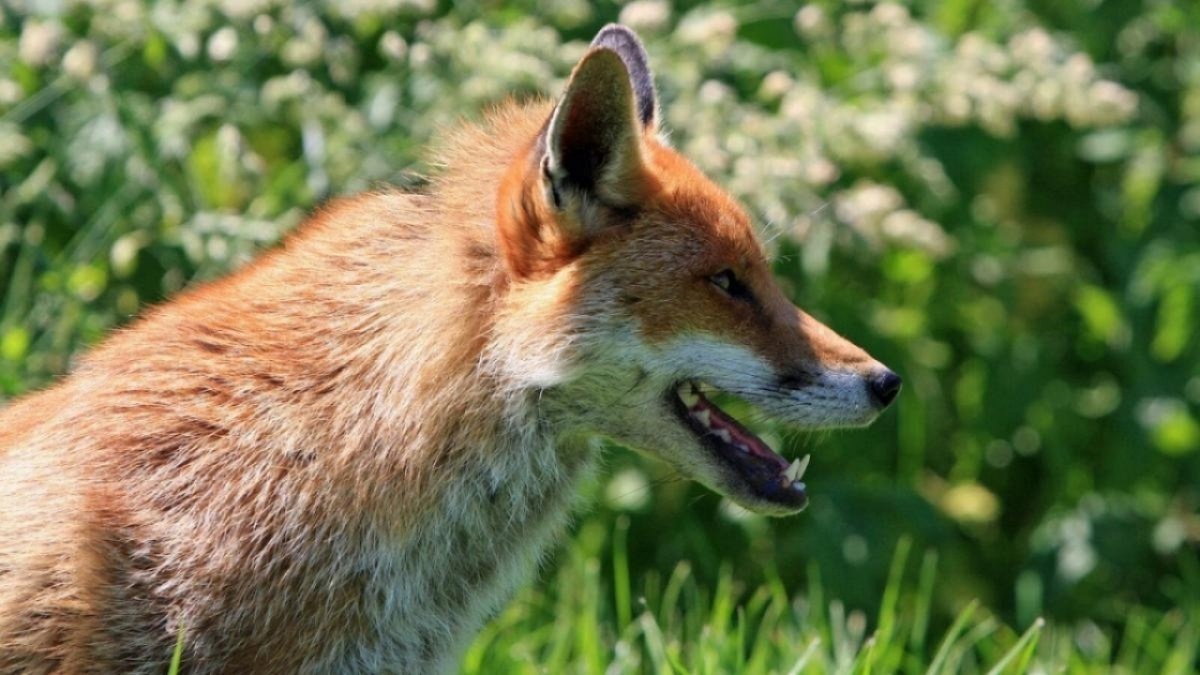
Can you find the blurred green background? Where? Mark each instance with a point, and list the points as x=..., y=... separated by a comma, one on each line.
x=1000, y=200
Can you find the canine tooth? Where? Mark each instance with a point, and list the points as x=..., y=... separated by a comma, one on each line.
x=724, y=435
x=793, y=470
x=703, y=417
x=687, y=394
x=803, y=467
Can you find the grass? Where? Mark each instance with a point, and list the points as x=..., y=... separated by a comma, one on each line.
x=177, y=655
x=584, y=620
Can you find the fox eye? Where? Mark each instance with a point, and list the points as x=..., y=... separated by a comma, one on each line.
x=728, y=282
x=723, y=280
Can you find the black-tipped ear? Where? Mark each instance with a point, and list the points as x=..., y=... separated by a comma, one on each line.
x=593, y=144
x=627, y=46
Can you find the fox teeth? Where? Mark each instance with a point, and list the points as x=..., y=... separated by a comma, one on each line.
x=703, y=417
x=687, y=394
x=792, y=470
x=724, y=435
x=796, y=469
x=803, y=467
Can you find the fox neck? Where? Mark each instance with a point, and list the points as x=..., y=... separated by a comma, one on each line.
x=455, y=407
x=499, y=493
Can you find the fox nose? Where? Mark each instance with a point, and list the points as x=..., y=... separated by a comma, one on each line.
x=883, y=387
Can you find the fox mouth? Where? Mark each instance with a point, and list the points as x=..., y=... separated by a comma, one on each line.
x=765, y=475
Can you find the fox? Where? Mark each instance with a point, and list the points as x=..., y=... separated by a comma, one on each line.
x=348, y=454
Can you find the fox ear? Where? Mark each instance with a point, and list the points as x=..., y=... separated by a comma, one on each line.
x=593, y=140
x=587, y=170
x=627, y=45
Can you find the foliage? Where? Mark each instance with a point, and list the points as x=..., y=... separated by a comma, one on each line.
x=999, y=200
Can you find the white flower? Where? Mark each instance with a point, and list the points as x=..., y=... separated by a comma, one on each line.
x=188, y=45
x=241, y=9
x=10, y=92
x=393, y=46
x=1034, y=48
x=811, y=22
x=882, y=130
x=1079, y=68
x=910, y=41
x=714, y=32
x=646, y=15
x=775, y=85
x=820, y=171
x=890, y=14
x=80, y=60
x=308, y=46
x=263, y=23
x=1046, y=100
x=866, y=203
x=713, y=92
x=908, y=227
x=39, y=42
x=222, y=44
x=903, y=76
x=1111, y=103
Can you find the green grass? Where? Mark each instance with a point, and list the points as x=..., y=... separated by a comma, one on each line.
x=585, y=619
x=177, y=655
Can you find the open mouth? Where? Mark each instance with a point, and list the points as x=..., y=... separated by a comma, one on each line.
x=767, y=476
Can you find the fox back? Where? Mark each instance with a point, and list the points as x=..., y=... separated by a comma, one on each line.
x=347, y=455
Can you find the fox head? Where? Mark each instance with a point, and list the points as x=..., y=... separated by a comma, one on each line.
x=660, y=286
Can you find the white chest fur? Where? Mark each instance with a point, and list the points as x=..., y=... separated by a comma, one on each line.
x=428, y=594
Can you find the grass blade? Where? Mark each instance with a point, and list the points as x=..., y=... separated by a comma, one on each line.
x=956, y=629
x=809, y=651
x=1024, y=648
x=621, y=572
x=177, y=655
x=920, y=626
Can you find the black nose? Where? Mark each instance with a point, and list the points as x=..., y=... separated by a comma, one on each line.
x=884, y=387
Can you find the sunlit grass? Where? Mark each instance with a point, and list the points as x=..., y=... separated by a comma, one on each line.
x=581, y=620
x=177, y=655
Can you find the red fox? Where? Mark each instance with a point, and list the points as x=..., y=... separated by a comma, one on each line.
x=345, y=456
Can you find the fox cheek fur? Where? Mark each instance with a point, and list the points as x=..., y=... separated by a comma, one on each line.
x=345, y=456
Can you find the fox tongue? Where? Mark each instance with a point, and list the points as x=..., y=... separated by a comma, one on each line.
x=730, y=431
x=742, y=439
